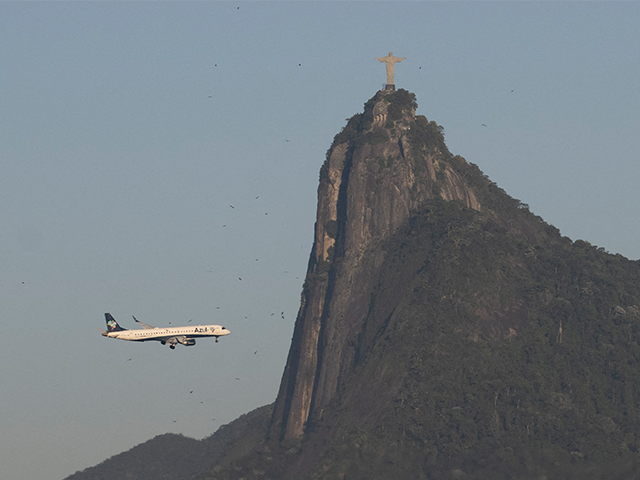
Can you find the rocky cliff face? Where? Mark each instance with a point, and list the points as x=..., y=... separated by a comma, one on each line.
x=445, y=331
x=383, y=165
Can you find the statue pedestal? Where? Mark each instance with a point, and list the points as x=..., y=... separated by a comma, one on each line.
x=390, y=86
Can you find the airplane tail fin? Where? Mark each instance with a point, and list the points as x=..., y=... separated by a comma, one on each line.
x=112, y=325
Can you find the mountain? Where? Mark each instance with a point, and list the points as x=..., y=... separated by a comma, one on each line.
x=175, y=457
x=445, y=331
x=369, y=186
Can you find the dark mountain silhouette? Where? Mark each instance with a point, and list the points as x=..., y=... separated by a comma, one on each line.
x=445, y=331
x=175, y=457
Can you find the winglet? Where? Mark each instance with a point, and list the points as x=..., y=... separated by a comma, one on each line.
x=144, y=325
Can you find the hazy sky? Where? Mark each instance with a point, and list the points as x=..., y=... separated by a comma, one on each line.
x=129, y=130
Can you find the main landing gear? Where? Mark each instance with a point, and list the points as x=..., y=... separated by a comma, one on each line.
x=172, y=347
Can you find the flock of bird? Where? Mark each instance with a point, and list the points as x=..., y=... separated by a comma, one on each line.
x=282, y=315
x=240, y=278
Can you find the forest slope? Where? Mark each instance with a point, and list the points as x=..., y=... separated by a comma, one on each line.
x=175, y=457
x=445, y=330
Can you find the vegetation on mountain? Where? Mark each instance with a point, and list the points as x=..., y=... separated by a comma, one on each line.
x=476, y=342
x=357, y=131
x=176, y=457
x=493, y=346
x=517, y=359
x=168, y=456
x=401, y=102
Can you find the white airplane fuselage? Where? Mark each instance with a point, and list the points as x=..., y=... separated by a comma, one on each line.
x=141, y=335
x=172, y=336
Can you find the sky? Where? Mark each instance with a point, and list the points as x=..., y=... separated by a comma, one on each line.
x=161, y=159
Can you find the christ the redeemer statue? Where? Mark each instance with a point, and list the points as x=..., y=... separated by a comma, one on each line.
x=390, y=60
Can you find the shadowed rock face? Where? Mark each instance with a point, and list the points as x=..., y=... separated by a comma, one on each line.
x=379, y=170
x=437, y=342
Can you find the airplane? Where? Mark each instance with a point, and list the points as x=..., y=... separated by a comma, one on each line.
x=172, y=336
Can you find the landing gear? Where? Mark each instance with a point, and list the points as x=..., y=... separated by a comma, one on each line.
x=172, y=347
x=216, y=339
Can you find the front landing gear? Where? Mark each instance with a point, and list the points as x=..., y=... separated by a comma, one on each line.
x=172, y=347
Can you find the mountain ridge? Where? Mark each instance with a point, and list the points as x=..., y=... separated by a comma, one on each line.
x=442, y=320
x=445, y=331
x=176, y=457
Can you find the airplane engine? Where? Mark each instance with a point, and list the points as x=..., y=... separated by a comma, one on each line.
x=186, y=341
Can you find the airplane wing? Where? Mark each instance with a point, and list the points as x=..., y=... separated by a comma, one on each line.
x=144, y=325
